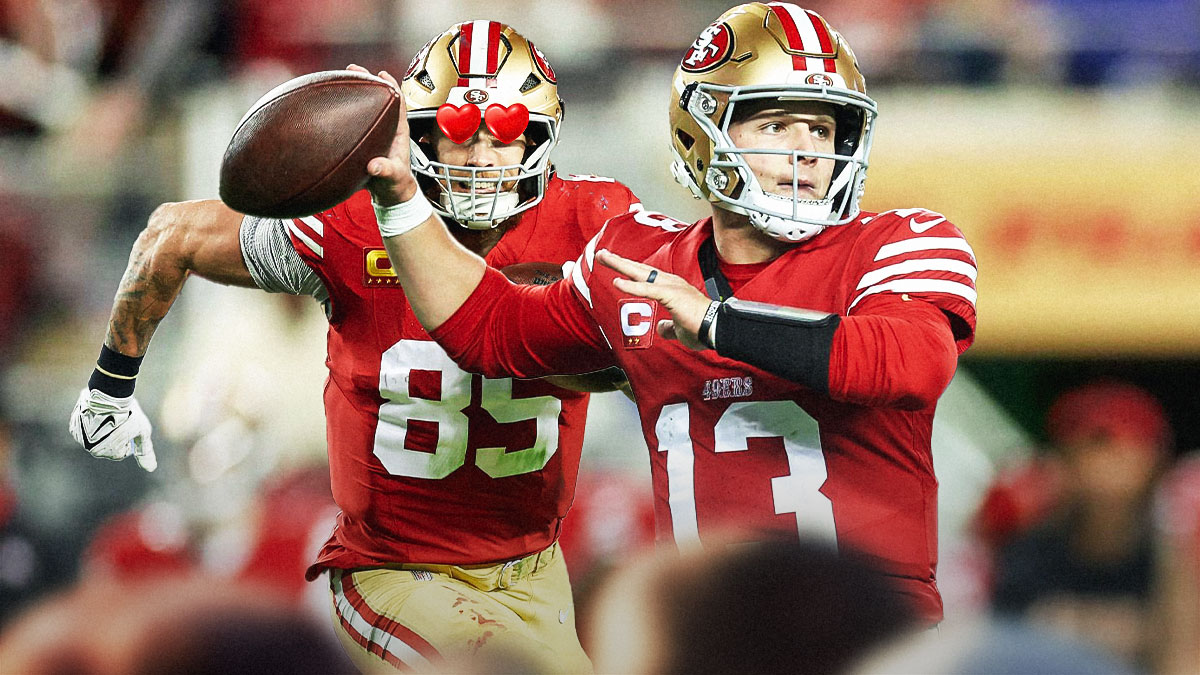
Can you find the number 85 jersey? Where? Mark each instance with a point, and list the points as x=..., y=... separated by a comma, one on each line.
x=431, y=464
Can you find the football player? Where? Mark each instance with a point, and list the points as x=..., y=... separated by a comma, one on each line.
x=786, y=353
x=452, y=487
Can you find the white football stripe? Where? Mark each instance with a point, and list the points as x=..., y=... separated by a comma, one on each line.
x=315, y=223
x=920, y=286
x=391, y=643
x=924, y=244
x=305, y=239
x=919, y=265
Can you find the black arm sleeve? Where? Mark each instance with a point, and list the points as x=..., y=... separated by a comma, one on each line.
x=788, y=342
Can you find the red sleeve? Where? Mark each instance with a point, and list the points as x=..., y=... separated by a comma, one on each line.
x=506, y=330
x=919, y=254
x=892, y=352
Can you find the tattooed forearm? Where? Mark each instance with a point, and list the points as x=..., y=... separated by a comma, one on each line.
x=152, y=281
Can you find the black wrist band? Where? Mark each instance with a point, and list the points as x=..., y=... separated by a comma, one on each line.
x=710, y=315
x=115, y=373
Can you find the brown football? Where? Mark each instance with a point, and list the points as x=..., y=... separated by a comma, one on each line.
x=304, y=146
x=533, y=273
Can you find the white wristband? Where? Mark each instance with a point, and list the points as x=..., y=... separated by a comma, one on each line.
x=400, y=218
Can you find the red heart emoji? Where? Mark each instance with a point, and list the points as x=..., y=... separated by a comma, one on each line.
x=506, y=124
x=458, y=123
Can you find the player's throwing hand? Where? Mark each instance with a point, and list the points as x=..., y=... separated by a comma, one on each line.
x=392, y=181
x=686, y=304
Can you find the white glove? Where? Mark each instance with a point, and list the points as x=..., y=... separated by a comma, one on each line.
x=112, y=428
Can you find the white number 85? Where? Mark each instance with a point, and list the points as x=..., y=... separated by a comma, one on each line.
x=407, y=355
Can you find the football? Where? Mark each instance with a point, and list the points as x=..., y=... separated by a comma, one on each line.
x=304, y=146
x=533, y=273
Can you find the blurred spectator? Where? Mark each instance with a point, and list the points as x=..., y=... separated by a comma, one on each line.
x=990, y=648
x=169, y=626
x=23, y=554
x=1177, y=511
x=18, y=262
x=774, y=607
x=270, y=543
x=1088, y=570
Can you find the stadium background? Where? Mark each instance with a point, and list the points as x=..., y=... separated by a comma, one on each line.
x=1059, y=135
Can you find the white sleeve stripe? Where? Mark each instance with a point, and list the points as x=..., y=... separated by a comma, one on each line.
x=919, y=265
x=589, y=253
x=316, y=225
x=580, y=284
x=920, y=286
x=924, y=244
x=305, y=239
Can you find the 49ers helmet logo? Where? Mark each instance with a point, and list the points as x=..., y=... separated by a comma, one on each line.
x=710, y=50
x=820, y=79
x=542, y=64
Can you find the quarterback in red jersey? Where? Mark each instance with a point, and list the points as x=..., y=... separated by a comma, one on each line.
x=787, y=353
x=452, y=486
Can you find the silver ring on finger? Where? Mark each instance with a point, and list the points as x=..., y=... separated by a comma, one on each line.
x=653, y=275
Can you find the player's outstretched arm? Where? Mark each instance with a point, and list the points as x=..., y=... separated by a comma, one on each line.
x=902, y=356
x=436, y=272
x=199, y=237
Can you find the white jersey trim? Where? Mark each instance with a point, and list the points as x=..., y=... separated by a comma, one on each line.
x=924, y=244
x=920, y=286
x=919, y=265
x=305, y=239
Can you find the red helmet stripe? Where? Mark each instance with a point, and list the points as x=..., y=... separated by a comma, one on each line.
x=825, y=39
x=793, y=35
x=464, y=51
x=493, y=51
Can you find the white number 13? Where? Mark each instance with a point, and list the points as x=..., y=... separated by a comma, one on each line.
x=798, y=492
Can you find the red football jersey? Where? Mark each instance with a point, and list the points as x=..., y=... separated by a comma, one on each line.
x=429, y=463
x=735, y=448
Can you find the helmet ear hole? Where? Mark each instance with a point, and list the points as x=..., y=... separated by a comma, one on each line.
x=849, y=130
x=530, y=82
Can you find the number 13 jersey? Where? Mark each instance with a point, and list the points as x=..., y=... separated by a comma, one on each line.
x=736, y=451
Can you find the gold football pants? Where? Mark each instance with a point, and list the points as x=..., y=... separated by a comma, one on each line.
x=514, y=616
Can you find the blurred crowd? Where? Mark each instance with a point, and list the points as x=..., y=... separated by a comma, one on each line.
x=1096, y=535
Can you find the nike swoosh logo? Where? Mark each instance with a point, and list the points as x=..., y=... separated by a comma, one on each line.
x=923, y=225
x=89, y=443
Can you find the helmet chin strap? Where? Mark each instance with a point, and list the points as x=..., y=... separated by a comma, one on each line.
x=472, y=213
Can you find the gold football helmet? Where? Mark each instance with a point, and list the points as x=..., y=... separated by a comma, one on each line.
x=482, y=63
x=775, y=51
